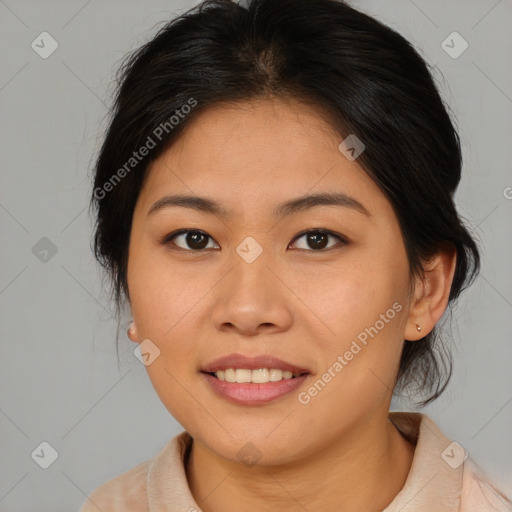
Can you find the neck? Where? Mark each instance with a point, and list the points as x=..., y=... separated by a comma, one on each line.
x=364, y=470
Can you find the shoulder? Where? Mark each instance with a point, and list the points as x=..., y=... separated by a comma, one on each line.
x=148, y=485
x=126, y=492
x=453, y=480
x=478, y=493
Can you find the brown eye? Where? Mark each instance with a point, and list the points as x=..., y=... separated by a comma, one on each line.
x=318, y=239
x=193, y=239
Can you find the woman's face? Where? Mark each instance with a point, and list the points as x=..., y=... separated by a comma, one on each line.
x=251, y=283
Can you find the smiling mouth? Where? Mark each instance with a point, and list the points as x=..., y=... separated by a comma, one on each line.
x=258, y=376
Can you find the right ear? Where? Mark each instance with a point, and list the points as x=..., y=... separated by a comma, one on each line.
x=132, y=332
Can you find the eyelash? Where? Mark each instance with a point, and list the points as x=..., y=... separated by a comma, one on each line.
x=168, y=238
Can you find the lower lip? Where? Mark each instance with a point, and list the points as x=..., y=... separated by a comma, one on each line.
x=248, y=393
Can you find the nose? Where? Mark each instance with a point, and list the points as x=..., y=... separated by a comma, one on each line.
x=253, y=297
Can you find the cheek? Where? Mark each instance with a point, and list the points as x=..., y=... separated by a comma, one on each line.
x=166, y=308
x=348, y=298
x=174, y=390
x=160, y=295
x=364, y=306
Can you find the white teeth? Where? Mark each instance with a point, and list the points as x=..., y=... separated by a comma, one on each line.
x=243, y=375
x=275, y=375
x=229, y=375
x=259, y=376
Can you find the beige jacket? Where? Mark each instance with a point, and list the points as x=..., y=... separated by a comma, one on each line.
x=442, y=478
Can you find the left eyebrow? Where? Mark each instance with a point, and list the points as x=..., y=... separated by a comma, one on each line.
x=212, y=207
x=320, y=199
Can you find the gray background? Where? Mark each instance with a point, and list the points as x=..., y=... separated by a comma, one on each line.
x=59, y=376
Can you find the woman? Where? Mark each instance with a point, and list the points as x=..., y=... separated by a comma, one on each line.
x=274, y=198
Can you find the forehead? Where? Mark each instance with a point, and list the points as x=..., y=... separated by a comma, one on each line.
x=251, y=153
x=265, y=124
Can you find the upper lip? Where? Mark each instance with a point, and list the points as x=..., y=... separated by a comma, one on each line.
x=252, y=363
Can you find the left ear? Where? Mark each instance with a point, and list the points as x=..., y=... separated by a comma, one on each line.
x=431, y=293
